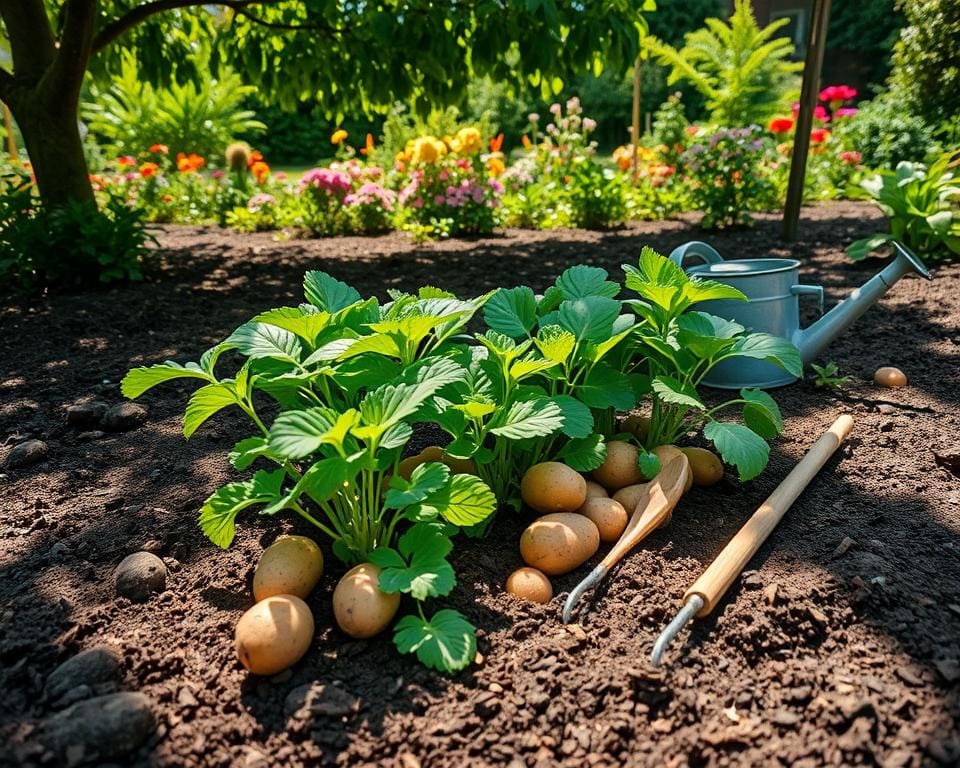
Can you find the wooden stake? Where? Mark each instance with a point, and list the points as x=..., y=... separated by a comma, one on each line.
x=816, y=41
x=635, y=130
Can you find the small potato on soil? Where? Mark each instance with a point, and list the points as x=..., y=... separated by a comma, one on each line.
x=629, y=497
x=890, y=377
x=530, y=584
x=274, y=634
x=608, y=515
x=553, y=487
x=360, y=608
x=595, y=490
x=620, y=468
x=292, y=565
x=558, y=543
x=705, y=466
x=636, y=425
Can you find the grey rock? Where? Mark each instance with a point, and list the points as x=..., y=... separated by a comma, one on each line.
x=100, y=729
x=123, y=417
x=27, y=453
x=90, y=667
x=93, y=434
x=86, y=415
x=140, y=575
x=74, y=695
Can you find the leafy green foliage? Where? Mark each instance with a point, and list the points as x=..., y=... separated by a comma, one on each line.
x=71, y=245
x=445, y=642
x=681, y=345
x=922, y=205
x=743, y=71
x=826, y=376
x=201, y=115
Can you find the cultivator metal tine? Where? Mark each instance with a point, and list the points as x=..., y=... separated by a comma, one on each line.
x=593, y=578
x=690, y=609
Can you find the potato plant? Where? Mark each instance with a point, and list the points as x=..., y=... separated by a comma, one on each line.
x=680, y=347
x=347, y=378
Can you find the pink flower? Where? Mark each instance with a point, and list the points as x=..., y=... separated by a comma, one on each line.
x=837, y=94
x=820, y=113
x=555, y=109
x=216, y=175
x=851, y=158
x=326, y=179
x=372, y=194
x=845, y=111
x=418, y=203
x=589, y=124
x=533, y=117
x=258, y=201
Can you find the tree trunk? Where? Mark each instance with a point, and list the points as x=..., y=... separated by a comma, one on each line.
x=51, y=135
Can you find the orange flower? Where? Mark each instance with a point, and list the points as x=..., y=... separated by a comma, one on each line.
x=339, y=136
x=495, y=165
x=525, y=140
x=496, y=143
x=367, y=149
x=167, y=198
x=253, y=158
x=260, y=171
x=126, y=161
x=147, y=170
x=189, y=163
x=159, y=149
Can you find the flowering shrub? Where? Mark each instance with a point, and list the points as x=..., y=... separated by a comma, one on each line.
x=371, y=207
x=322, y=195
x=260, y=214
x=727, y=175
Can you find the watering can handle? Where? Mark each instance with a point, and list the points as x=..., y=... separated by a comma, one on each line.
x=809, y=290
x=695, y=248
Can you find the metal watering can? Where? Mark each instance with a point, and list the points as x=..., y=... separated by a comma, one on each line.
x=773, y=290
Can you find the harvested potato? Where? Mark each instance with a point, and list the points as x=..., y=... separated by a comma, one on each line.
x=430, y=453
x=636, y=425
x=608, y=515
x=274, y=634
x=595, y=490
x=360, y=608
x=292, y=565
x=620, y=468
x=530, y=584
x=553, y=487
x=667, y=452
x=891, y=377
x=559, y=542
x=705, y=466
x=629, y=497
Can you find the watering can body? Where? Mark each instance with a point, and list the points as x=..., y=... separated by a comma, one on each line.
x=773, y=290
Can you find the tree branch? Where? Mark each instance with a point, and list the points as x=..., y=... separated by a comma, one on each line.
x=63, y=79
x=141, y=13
x=30, y=36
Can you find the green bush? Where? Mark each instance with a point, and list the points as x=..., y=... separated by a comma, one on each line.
x=884, y=133
x=68, y=246
x=742, y=70
x=202, y=116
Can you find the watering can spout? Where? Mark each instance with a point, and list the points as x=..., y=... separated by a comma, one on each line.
x=812, y=340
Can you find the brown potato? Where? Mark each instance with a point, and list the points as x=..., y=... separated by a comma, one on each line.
x=620, y=468
x=608, y=515
x=530, y=584
x=292, y=565
x=560, y=542
x=629, y=497
x=460, y=466
x=360, y=608
x=705, y=466
x=667, y=452
x=430, y=453
x=891, y=377
x=637, y=425
x=274, y=634
x=595, y=490
x=553, y=487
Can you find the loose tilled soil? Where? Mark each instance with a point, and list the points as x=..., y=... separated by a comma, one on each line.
x=840, y=646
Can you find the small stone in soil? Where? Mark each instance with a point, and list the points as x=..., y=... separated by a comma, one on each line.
x=140, y=575
x=770, y=594
x=844, y=546
x=27, y=453
x=123, y=417
x=106, y=727
x=94, y=434
x=785, y=718
x=86, y=414
x=319, y=699
x=949, y=669
x=91, y=667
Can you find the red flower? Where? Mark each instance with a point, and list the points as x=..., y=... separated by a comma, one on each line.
x=126, y=160
x=837, y=93
x=851, y=158
x=148, y=170
x=781, y=125
x=819, y=135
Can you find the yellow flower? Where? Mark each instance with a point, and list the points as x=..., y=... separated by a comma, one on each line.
x=427, y=149
x=467, y=142
x=495, y=165
x=339, y=136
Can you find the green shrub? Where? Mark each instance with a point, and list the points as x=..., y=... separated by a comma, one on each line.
x=68, y=246
x=884, y=133
x=743, y=71
x=201, y=116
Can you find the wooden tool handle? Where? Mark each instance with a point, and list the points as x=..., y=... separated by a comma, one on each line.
x=715, y=581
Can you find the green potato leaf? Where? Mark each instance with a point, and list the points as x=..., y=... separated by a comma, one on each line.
x=425, y=572
x=739, y=446
x=765, y=346
x=590, y=318
x=511, y=311
x=581, y=280
x=463, y=501
x=445, y=642
x=139, y=380
x=555, y=343
x=584, y=454
x=530, y=418
x=606, y=387
x=577, y=418
x=672, y=391
x=257, y=340
x=761, y=413
x=219, y=512
x=424, y=480
x=328, y=293
x=205, y=402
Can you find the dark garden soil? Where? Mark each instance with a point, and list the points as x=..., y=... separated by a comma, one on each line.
x=839, y=647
